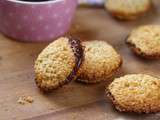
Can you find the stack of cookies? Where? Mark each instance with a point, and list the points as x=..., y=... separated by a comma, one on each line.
x=67, y=59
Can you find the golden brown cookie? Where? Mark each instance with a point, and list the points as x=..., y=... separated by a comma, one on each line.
x=145, y=41
x=58, y=63
x=101, y=61
x=138, y=93
x=128, y=9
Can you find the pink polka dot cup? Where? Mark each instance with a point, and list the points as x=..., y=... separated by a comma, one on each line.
x=36, y=21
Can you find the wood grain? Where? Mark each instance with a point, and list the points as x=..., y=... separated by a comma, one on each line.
x=74, y=101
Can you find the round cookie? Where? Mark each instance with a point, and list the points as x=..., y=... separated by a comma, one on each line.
x=58, y=63
x=145, y=41
x=128, y=9
x=138, y=93
x=100, y=62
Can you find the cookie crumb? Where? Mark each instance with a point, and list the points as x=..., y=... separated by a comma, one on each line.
x=74, y=116
x=25, y=99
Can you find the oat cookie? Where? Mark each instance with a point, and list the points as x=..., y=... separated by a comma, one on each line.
x=138, y=93
x=101, y=61
x=128, y=9
x=58, y=63
x=145, y=41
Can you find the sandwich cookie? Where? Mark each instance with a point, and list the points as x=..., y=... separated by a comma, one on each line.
x=145, y=41
x=58, y=63
x=138, y=93
x=101, y=61
x=128, y=9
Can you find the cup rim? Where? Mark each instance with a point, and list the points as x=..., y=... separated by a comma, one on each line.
x=36, y=3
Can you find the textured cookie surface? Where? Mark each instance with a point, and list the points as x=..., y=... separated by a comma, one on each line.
x=54, y=64
x=145, y=41
x=135, y=93
x=100, y=62
x=128, y=9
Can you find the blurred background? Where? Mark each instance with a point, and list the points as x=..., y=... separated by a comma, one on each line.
x=91, y=2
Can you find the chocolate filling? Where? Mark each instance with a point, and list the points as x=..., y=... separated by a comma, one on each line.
x=78, y=51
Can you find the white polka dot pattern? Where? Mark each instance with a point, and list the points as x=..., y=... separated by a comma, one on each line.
x=42, y=22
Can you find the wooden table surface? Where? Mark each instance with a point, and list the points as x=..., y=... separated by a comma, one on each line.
x=74, y=101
